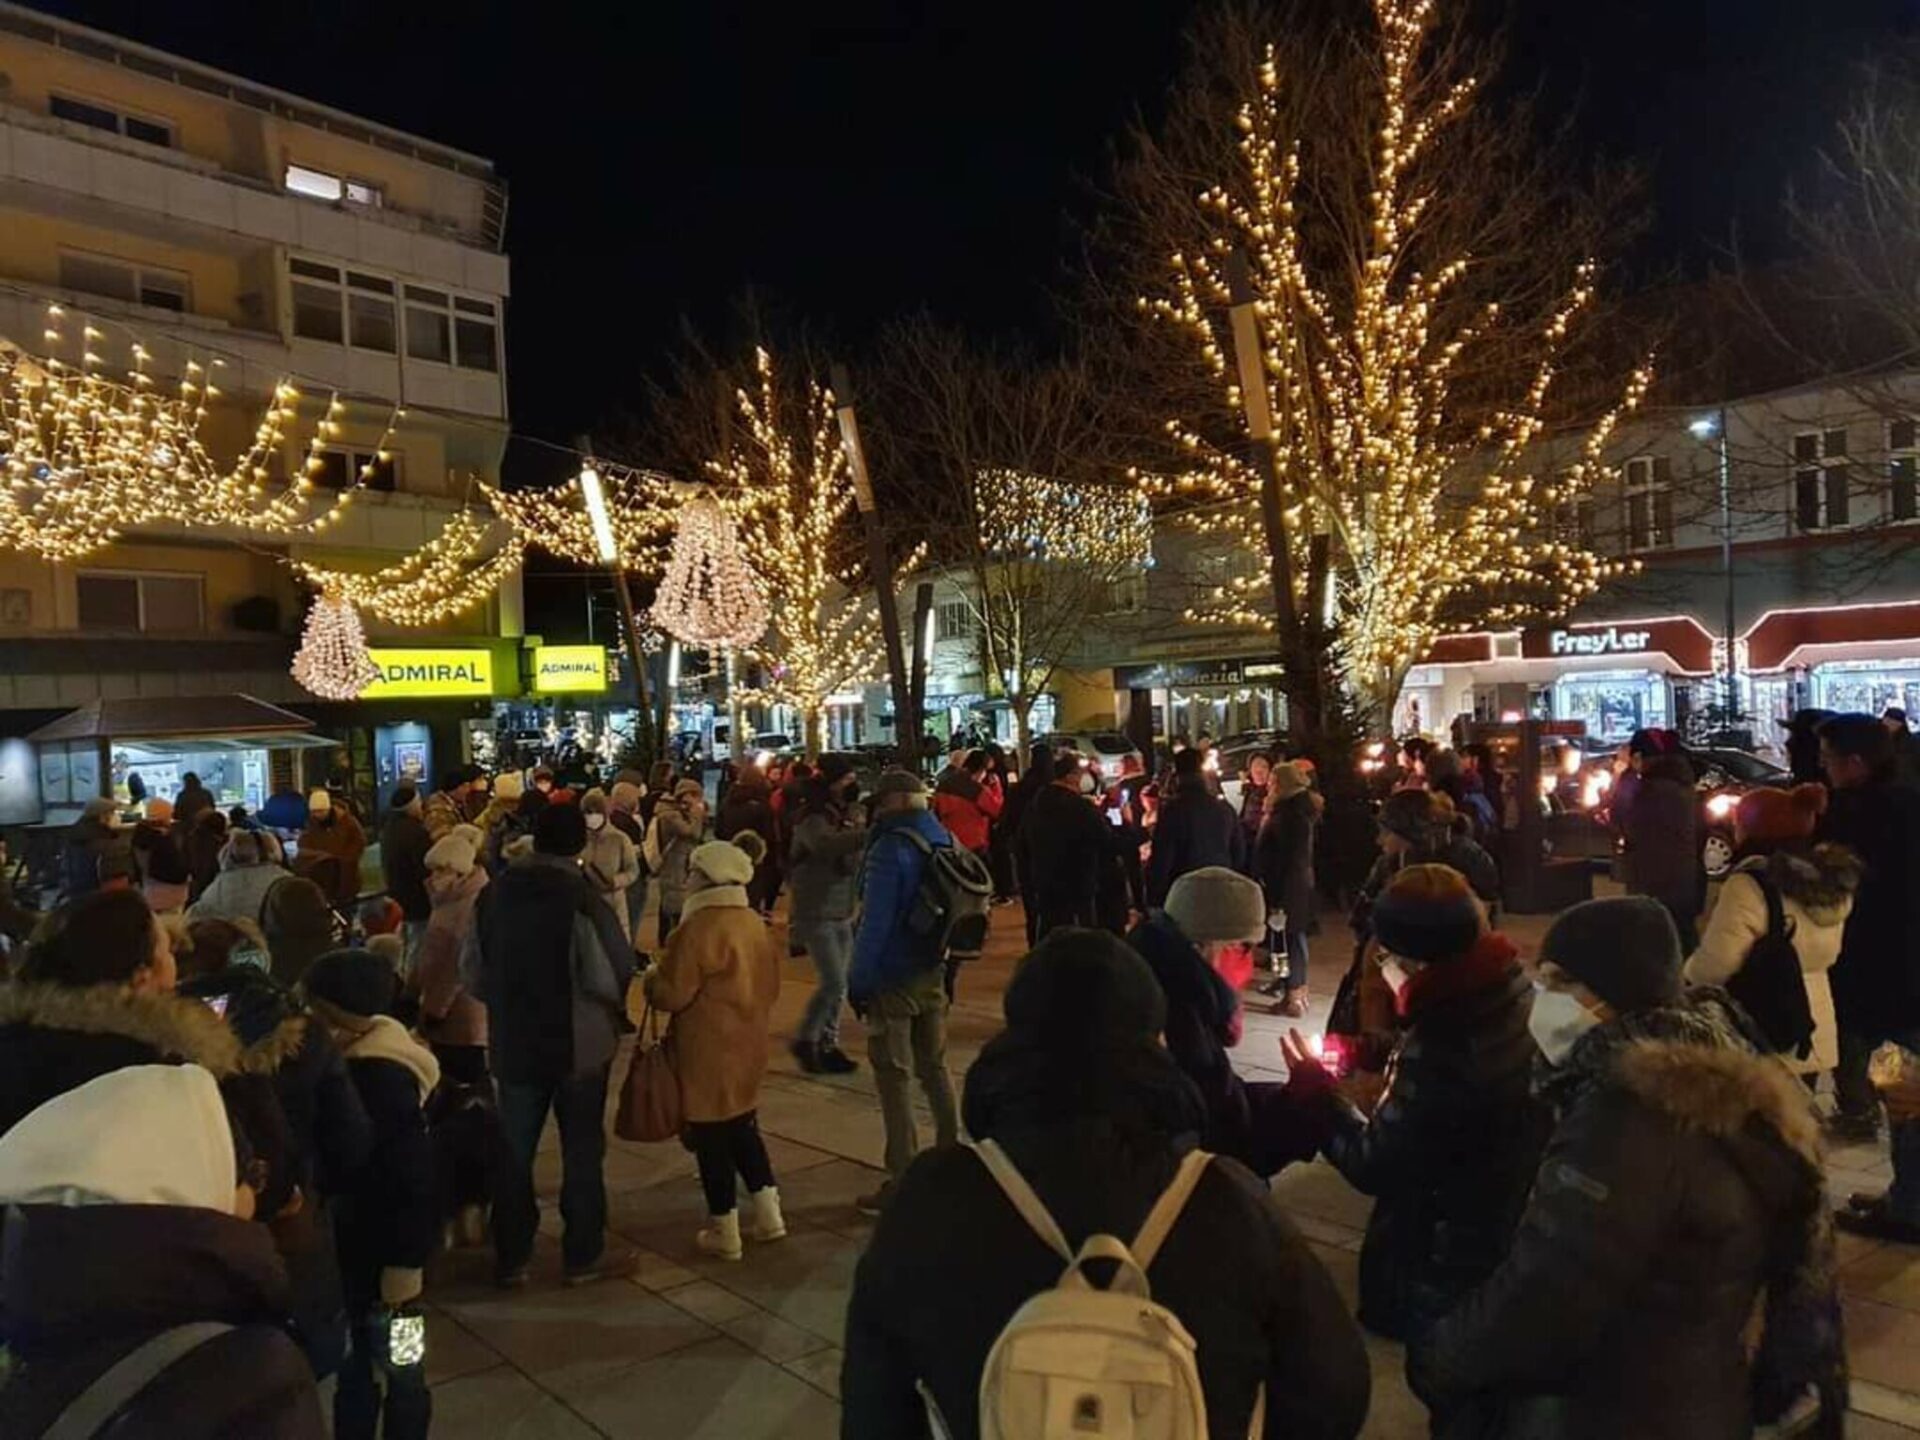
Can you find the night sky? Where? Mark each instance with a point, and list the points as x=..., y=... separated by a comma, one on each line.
x=850, y=162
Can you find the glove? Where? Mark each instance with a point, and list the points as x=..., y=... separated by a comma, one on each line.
x=400, y=1284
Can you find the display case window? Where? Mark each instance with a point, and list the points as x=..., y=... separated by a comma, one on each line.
x=1614, y=706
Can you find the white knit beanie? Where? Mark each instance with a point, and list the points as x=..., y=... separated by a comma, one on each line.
x=722, y=863
x=455, y=851
x=1216, y=905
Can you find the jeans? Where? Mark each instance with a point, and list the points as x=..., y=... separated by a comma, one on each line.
x=414, y=935
x=1296, y=959
x=725, y=1148
x=829, y=944
x=357, y=1403
x=908, y=1027
x=579, y=1104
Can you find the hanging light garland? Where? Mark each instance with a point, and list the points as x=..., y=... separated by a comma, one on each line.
x=708, y=598
x=640, y=508
x=332, y=661
x=444, y=578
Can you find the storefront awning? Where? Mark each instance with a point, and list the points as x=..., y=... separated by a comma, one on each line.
x=1784, y=638
x=246, y=722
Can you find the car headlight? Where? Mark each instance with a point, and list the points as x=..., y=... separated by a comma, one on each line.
x=1720, y=806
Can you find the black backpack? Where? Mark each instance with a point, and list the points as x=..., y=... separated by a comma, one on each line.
x=950, y=908
x=1769, y=986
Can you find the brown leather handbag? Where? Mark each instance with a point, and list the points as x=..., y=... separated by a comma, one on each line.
x=650, y=1107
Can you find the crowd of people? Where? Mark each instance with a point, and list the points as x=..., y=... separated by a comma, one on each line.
x=1591, y=1167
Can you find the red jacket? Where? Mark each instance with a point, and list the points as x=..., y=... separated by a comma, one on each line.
x=967, y=807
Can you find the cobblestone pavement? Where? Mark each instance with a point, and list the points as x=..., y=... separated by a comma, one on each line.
x=702, y=1348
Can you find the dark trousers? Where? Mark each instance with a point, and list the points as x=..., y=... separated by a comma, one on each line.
x=358, y=1406
x=1853, y=1093
x=1055, y=911
x=724, y=1149
x=579, y=1104
x=1296, y=943
x=1684, y=918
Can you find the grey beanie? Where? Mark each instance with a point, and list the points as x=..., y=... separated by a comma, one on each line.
x=1623, y=948
x=1216, y=905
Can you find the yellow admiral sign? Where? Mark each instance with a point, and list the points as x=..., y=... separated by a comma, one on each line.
x=423, y=673
x=569, y=669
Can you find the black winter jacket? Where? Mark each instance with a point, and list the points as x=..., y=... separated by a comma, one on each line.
x=389, y=1213
x=404, y=843
x=1663, y=844
x=1064, y=848
x=1678, y=1173
x=1451, y=1149
x=82, y=1287
x=1257, y=1123
x=1876, y=981
x=1196, y=828
x=951, y=1260
x=1283, y=857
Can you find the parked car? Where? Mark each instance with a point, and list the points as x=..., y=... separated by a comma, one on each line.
x=1725, y=774
x=1103, y=750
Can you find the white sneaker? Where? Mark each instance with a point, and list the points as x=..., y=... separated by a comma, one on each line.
x=721, y=1238
x=764, y=1220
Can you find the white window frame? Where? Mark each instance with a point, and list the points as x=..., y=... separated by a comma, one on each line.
x=953, y=620
x=1576, y=518
x=330, y=187
x=138, y=274
x=344, y=288
x=359, y=458
x=453, y=306
x=1126, y=594
x=1821, y=468
x=1649, y=478
x=1908, y=454
x=121, y=115
x=140, y=577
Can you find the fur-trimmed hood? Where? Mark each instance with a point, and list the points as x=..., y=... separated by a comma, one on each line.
x=1718, y=1091
x=1822, y=881
x=173, y=1026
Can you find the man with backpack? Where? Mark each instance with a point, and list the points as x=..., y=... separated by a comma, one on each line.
x=899, y=956
x=968, y=1302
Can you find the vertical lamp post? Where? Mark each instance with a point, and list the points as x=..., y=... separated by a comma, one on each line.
x=906, y=724
x=1714, y=427
x=595, y=498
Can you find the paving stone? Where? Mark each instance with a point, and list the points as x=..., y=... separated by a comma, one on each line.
x=452, y=1349
x=1883, y=1345
x=562, y=1337
x=503, y=1404
x=820, y=1369
x=718, y=1390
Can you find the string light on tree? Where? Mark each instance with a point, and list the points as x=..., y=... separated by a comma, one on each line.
x=332, y=661
x=708, y=597
x=1364, y=342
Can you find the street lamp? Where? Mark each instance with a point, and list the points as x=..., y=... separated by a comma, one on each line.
x=1714, y=427
x=593, y=495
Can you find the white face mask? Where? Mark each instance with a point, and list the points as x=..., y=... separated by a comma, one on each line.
x=1557, y=1023
x=594, y=822
x=1395, y=975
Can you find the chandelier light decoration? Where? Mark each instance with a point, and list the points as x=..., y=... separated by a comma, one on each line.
x=332, y=661
x=444, y=578
x=708, y=598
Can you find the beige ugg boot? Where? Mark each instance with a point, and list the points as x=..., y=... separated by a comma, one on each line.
x=721, y=1238
x=764, y=1220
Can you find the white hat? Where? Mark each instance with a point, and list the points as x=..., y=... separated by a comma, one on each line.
x=722, y=863
x=455, y=851
x=144, y=1135
x=319, y=802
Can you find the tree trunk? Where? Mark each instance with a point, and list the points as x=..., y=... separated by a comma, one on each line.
x=813, y=730
x=1022, y=728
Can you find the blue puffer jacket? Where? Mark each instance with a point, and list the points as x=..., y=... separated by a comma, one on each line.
x=885, y=957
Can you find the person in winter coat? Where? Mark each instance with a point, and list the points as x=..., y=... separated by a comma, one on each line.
x=967, y=801
x=1681, y=1190
x=1876, y=981
x=749, y=807
x=127, y=1219
x=387, y=1219
x=1663, y=843
x=552, y=966
x=239, y=891
x=445, y=807
x=898, y=982
x=1773, y=840
x=164, y=877
x=204, y=841
x=823, y=868
x=192, y=799
x=299, y=925
x=1064, y=848
x=718, y=980
x=332, y=845
x=1034, y=779
x=1200, y=950
x=507, y=818
x=679, y=824
x=94, y=837
x=1283, y=864
x=1196, y=829
x=453, y=1021
x=1081, y=1097
x=403, y=861
x=1254, y=785
x=611, y=862
x=624, y=804
x=1450, y=1150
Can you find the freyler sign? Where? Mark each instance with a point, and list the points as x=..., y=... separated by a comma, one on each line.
x=1612, y=640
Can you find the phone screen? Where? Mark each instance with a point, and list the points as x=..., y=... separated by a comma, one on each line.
x=217, y=1004
x=1115, y=818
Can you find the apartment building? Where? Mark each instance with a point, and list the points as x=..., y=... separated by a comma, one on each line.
x=212, y=220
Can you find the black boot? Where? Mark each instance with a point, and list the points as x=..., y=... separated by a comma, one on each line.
x=832, y=1060
x=807, y=1053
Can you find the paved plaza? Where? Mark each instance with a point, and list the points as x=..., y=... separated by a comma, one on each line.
x=750, y=1351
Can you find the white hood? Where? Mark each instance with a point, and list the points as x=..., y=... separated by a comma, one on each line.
x=146, y=1135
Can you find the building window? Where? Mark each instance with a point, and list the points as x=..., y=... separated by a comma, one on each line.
x=476, y=336
x=322, y=294
x=953, y=620
x=324, y=185
x=1649, y=487
x=159, y=603
x=340, y=468
x=101, y=117
x=1126, y=594
x=429, y=325
x=1820, y=482
x=1574, y=521
x=1903, y=470
x=123, y=280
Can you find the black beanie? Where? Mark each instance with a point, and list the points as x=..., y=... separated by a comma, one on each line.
x=1623, y=948
x=1425, y=928
x=1084, y=989
x=359, y=982
x=559, y=830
